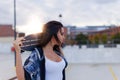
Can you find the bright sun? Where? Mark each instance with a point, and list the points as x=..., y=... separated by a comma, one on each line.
x=34, y=25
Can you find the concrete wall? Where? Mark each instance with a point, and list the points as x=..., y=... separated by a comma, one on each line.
x=6, y=44
x=6, y=39
x=74, y=54
x=5, y=48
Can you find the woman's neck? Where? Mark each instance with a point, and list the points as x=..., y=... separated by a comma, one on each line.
x=48, y=48
x=50, y=54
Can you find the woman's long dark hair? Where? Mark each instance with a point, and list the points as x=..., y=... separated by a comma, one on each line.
x=50, y=29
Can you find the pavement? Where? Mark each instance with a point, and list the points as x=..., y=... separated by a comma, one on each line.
x=93, y=72
x=74, y=71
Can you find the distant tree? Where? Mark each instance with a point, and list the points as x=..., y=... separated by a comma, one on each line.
x=81, y=39
x=103, y=38
x=69, y=40
x=96, y=39
x=116, y=38
x=91, y=39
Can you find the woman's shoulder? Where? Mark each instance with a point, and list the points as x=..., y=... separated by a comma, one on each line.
x=36, y=53
x=34, y=57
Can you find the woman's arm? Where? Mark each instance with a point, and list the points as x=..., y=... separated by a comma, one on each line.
x=19, y=68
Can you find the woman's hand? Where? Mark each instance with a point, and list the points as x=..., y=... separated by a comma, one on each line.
x=18, y=43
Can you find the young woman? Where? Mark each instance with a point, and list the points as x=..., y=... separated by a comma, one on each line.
x=46, y=61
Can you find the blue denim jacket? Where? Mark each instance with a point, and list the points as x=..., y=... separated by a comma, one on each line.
x=32, y=65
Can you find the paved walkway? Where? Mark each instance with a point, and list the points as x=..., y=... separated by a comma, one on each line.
x=93, y=72
x=75, y=71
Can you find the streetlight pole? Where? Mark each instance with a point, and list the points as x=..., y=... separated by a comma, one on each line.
x=15, y=28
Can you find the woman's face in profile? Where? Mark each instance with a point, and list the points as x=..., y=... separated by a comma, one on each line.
x=61, y=35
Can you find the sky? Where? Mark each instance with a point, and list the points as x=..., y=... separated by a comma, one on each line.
x=74, y=12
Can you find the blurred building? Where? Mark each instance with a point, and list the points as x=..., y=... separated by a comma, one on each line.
x=109, y=31
x=65, y=31
x=73, y=30
x=6, y=33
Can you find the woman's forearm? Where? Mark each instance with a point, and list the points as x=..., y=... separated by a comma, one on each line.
x=19, y=67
